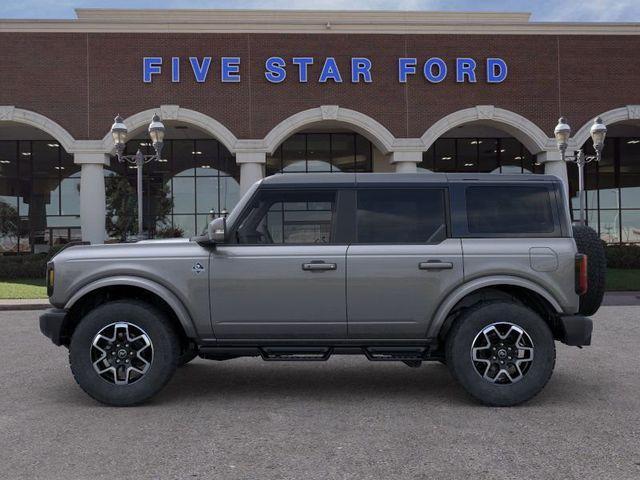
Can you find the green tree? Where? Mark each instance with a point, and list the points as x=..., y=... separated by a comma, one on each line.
x=9, y=221
x=122, y=207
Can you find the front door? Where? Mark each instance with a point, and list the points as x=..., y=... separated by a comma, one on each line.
x=402, y=263
x=282, y=274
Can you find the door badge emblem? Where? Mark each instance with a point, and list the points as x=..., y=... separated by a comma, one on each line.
x=197, y=268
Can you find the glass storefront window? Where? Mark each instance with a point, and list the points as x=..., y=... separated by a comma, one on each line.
x=39, y=195
x=612, y=190
x=322, y=152
x=486, y=155
x=199, y=178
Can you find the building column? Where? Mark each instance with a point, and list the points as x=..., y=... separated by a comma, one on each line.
x=251, y=168
x=93, y=208
x=406, y=162
x=554, y=165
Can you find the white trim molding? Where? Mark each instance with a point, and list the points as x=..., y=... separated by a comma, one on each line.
x=373, y=130
x=629, y=112
x=179, y=114
x=523, y=129
x=10, y=113
x=309, y=21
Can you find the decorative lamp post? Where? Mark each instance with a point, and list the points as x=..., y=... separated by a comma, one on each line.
x=562, y=133
x=119, y=133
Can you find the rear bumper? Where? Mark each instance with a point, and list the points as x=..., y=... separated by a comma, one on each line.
x=575, y=330
x=52, y=323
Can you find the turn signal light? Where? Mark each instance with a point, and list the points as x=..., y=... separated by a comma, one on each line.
x=582, y=282
x=50, y=279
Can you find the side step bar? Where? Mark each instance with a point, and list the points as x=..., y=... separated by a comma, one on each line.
x=307, y=354
x=319, y=353
x=402, y=354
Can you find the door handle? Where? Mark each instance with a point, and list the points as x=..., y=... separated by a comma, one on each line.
x=435, y=265
x=319, y=266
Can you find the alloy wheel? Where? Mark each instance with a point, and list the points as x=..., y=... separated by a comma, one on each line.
x=502, y=353
x=121, y=353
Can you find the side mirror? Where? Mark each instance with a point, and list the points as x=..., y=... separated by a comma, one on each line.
x=217, y=231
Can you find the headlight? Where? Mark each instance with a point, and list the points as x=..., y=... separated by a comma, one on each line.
x=50, y=278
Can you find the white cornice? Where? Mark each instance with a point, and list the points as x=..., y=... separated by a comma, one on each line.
x=297, y=21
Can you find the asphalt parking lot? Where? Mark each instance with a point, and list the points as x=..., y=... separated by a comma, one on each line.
x=346, y=418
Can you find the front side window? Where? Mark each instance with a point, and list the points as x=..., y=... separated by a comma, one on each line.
x=282, y=217
x=496, y=209
x=401, y=216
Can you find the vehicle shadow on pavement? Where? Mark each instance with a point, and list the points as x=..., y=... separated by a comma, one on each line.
x=250, y=379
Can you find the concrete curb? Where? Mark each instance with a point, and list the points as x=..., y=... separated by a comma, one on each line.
x=27, y=304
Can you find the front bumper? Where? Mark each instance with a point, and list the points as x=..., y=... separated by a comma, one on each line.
x=575, y=330
x=52, y=325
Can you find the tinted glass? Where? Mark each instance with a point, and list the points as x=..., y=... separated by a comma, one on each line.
x=401, y=216
x=499, y=209
x=288, y=218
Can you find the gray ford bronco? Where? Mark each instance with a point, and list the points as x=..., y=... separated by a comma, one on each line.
x=480, y=272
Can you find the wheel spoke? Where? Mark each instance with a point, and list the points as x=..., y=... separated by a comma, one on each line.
x=502, y=353
x=121, y=353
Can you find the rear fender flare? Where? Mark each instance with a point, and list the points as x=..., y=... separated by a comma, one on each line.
x=467, y=288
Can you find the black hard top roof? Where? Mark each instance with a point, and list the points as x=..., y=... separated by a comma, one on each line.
x=352, y=179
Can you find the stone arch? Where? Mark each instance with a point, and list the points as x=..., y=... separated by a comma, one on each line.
x=177, y=113
x=9, y=113
x=629, y=112
x=373, y=130
x=523, y=129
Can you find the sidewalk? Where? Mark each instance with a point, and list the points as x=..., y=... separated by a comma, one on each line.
x=621, y=298
x=610, y=299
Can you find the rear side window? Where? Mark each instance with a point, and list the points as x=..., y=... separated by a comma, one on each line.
x=401, y=216
x=509, y=209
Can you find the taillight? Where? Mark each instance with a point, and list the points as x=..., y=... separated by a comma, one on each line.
x=582, y=282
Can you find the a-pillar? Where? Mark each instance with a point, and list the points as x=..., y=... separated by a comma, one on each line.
x=406, y=162
x=553, y=165
x=251, y=168
x=92, y=195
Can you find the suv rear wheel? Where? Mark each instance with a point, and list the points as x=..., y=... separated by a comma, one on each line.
x=502, y=353
x=124, y=352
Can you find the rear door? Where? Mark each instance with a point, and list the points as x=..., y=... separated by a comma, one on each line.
x=402, y=263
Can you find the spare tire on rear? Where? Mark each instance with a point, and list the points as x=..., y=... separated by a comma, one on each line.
x=589, y=243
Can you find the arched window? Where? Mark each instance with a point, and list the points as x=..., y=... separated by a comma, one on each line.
x=199, y=176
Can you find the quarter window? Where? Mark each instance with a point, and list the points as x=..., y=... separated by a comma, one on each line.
x=509, y=210
x=401, y=216
x=281, y=217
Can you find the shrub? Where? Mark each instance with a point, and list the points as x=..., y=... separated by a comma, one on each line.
x=170, y=232
x=14, y=267
x=623, y=256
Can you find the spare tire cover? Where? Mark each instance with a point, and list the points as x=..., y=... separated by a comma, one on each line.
x=589, y=243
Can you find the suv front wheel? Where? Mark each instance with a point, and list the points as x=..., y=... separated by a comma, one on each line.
x=502, y=353
x=123, y=352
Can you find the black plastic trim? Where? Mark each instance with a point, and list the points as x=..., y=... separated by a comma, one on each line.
x=575, y=330
x=52, y=323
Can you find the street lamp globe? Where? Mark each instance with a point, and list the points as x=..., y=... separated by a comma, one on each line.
x=562, y=133
x=598, y=133
x=119, y=133
x=156, y=132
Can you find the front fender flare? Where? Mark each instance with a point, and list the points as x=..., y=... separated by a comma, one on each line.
x=164, y=293
x=467, y=288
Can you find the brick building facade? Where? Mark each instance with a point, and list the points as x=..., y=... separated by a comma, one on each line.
x=231, y=84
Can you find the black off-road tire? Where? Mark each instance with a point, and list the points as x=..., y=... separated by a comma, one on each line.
x=165, y=344
x=589, y=243
x=458, y=351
